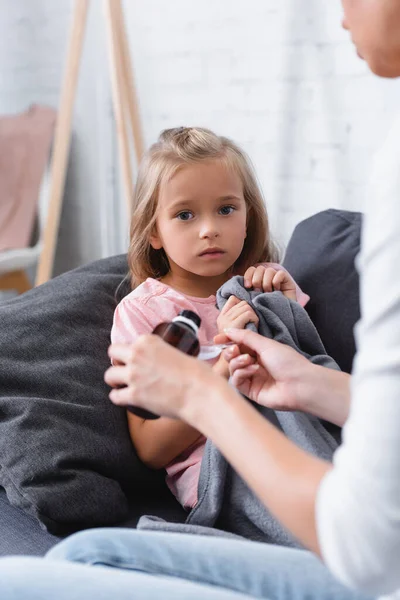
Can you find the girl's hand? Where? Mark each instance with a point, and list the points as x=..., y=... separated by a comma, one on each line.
x=153, y=375
x=221, y=367
x=236, y=313
x=269, y=279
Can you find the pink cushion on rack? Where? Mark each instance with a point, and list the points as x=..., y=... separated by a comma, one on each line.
x=25, y=141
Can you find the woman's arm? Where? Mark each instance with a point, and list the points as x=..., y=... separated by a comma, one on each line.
x=329, y=396
x=284, y=477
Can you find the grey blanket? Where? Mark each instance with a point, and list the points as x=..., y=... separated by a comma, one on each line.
x=226, y=505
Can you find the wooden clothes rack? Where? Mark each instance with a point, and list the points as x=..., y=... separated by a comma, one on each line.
x=125, y=110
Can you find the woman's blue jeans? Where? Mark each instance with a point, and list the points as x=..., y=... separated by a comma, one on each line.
x=117, y=564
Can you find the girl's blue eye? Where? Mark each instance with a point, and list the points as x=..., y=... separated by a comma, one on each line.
x=226, y=210
x=186, y=215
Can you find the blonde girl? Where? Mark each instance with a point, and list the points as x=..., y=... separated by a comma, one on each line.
x=198, y=218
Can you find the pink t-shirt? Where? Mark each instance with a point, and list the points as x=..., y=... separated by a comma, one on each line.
x=150, y=304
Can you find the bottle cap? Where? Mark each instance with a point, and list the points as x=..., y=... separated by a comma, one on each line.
x=189, y=314
x=190, y=319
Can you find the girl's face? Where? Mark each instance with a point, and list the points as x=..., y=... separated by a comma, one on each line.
x=374, y=26
x=201, y=221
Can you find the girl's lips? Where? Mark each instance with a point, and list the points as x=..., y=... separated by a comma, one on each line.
x=212, y=250
x=212, y=254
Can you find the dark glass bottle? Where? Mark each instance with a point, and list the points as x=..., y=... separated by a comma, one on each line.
x=181, y=333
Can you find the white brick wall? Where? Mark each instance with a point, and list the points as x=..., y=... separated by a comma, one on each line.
x=278, y=76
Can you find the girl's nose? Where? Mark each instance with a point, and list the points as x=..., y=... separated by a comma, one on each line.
x=209, y=230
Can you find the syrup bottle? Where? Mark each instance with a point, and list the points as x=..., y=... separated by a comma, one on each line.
x=181, y=333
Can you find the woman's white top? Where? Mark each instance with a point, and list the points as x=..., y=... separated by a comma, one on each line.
x=358, y=504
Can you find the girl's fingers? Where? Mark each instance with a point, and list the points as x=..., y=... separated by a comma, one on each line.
x=245, y=318
x=242, y=315
x=277, y=280
x=221, y=338
x=283, y=282
x=258, y=277
x=240, y=307
x=268, y=277
x=229, y=304
x=248, y=277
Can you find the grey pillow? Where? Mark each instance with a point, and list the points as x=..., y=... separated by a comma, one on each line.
x=65, y=451
x=320, y=256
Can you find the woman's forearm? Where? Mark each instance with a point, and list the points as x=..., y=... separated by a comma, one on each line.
x=326, y=394
x=284, y=477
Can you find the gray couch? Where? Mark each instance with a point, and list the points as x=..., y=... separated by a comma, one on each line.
x=66, y=462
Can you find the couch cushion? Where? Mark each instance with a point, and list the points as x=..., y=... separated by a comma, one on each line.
x=320, y=256
x=65, y=452
x=21, y=533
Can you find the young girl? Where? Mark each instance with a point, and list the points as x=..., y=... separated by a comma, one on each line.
x=198, y=218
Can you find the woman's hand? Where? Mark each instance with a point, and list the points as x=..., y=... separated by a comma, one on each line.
x=153, y=375
x=278, y=377
x=272, y=375
x=236, y=313
x=269, y=279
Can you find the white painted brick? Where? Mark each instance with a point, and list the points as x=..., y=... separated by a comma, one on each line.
x=278, y=76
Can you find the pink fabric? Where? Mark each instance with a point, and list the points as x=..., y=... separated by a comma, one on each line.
x=150, y=304
x=24, y=149
x=183, y=474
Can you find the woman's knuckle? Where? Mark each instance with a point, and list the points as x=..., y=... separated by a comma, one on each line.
x=143, y=341
x=133, y=353
x=130, y=374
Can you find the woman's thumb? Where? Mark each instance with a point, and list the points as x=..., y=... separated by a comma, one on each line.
x=248, y=338
x=221, y=338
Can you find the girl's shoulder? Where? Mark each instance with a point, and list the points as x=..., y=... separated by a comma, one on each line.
x=151, y=288
x=152, y=296
x=141, y=311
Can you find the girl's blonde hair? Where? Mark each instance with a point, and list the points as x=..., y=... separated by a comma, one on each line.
x=183, y=146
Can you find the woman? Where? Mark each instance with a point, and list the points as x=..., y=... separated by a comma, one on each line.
x=348, y=513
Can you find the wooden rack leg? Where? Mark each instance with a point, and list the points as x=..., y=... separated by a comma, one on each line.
x=62, y=142
x=129, y=83
x=119, y=100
